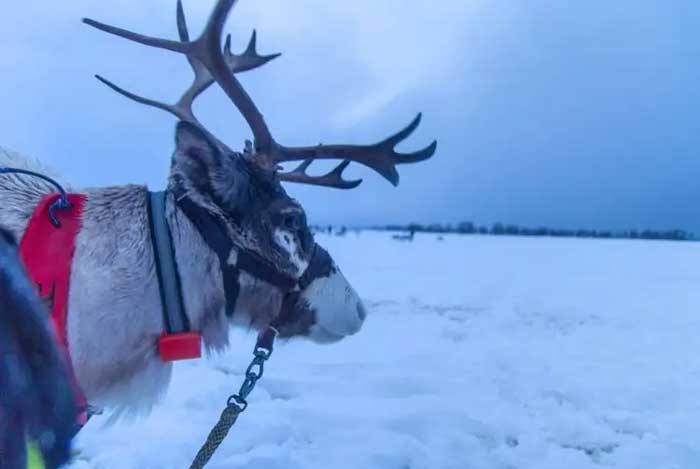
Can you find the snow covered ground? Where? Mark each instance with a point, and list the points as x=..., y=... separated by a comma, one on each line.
x=479, y=352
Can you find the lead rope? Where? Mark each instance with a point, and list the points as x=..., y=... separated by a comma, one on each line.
x=237, y=403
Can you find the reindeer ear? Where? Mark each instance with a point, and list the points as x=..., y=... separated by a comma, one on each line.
x=196, y=157
x=215, y=175
x=192, y=142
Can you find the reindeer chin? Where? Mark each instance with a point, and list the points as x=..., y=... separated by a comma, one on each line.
x=321, y=336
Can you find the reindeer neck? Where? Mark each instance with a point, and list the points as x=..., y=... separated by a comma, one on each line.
x=200, y=278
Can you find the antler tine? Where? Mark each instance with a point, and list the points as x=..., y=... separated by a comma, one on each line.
x=249, y=60
x=332, y=179
x=208, y=51
x=183, y=108
x=182, y=23
x=414, y=157
x=381, y=157
x=175, y=46
x=172, y=109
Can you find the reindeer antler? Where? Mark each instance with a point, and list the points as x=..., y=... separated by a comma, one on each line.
x=332, y=179
x=210, y=64
x=248, y=60
x=381, y=157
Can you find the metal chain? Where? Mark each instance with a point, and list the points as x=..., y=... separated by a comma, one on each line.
x=237, y=403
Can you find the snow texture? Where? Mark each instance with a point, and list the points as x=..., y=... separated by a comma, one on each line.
x=478, y=352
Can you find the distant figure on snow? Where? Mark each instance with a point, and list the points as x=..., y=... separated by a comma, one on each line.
x=406, y=237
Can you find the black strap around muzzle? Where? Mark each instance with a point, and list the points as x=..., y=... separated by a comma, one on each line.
x=321, y=265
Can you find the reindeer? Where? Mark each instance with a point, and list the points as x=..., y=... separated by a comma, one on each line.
x=220, y=205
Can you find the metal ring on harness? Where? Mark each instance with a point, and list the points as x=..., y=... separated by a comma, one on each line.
x=61, y=203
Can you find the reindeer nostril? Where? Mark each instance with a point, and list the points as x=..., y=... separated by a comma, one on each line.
x=361, y=311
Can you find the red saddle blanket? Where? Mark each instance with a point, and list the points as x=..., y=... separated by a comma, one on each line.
x=47, y=253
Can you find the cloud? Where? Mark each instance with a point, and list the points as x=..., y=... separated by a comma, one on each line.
x=570, y=114
x=389, y=48
x=366, y=106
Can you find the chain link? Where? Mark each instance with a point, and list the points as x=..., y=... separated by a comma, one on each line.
x=255, y=371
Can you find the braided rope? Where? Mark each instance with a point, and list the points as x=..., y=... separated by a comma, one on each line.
x=216, y=436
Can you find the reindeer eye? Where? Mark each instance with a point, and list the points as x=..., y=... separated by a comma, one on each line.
x=292, y=221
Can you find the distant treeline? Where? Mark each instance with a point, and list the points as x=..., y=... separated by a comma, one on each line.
x=500, y=229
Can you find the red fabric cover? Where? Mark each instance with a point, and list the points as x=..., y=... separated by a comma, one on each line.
x=47, y=253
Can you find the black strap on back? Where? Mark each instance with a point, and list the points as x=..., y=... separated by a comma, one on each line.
x=174, y=317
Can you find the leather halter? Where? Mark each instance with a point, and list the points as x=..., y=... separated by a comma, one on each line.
x=178, y=341
x=232, y=259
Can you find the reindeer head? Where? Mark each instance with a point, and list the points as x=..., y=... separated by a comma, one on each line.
x=243, y=190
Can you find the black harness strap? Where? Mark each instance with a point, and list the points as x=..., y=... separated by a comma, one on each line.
x=216, y=238
x=174, y=317
x=232, y=259
x=258, y=267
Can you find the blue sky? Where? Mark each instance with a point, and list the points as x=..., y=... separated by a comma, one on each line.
x=569, y=114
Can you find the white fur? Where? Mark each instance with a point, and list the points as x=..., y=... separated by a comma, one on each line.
x=339, y=310
x=20, y=193
x=233, y=257
x=287, y=241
